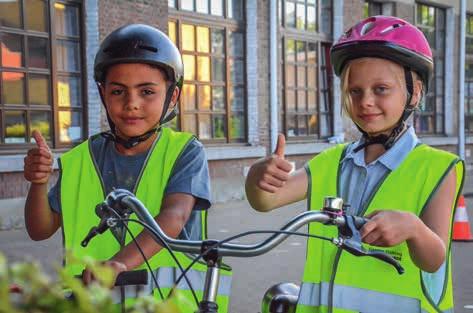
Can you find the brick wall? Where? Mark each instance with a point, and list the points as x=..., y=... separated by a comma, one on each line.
x=14, y=185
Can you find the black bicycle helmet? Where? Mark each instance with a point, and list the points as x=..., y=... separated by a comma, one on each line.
x=139, y=43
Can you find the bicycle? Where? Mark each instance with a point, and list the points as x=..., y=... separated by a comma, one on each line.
x=120, y=204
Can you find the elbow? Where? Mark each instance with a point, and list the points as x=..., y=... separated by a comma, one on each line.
x=434, y=265
x=38, y=236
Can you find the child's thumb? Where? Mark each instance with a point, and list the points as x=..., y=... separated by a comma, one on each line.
x=280, y=146
x=40, y=141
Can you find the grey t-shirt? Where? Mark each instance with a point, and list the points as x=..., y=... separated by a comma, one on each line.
x=190, y=175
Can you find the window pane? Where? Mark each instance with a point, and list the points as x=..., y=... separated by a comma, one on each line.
x=313, y=124
x=10, y=13
x=291, y=126
x=237, y=99
x=237, y=70
x=188, y=39
x=301, y=76
x=218, y=69
x=218, y=124
x=36, y=15
x=311, y=77
x=290, y=75
x=204, y=97
x=290, y=14
x=187, y=5
x=290, y=100
x=203, y=69
x=38, y=52
x=68, y=89
x=301, y=52
x=238, y=126
x=202, y=39
x=216, y=7
x=69, y=126
x=311, y=18
x=204, y=126
x=203, y=6
x=38, y=89
x=312, y=101
x=66, y=19
x=217, y=41
x=189, y=67
x=302, y=125
x=236, y=44
x=218, y=99
x=172, y=3
x=300, y=16
x=12, y=50
x=15, y=127
x=13, y=88
x=188, y=97
x=68, y=55
x=326, y=17
x=172, y=32
x=290, y=50
x=40, y=120
x=189, y=124
x=301, y=102
x=235, y=9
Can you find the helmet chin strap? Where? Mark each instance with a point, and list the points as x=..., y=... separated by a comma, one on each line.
x=135, y=140
x=389, y=140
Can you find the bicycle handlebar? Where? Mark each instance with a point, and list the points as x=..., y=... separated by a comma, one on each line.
x=125, y=203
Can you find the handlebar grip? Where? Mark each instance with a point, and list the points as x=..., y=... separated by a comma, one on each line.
x=138, y=277
x=359, y=221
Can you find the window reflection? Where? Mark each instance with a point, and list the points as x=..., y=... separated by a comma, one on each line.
x=13, y=88
x=69, y=126
x=38, y=89
x=10, y=13
x=41, y=121
x=38, y=52
x=36, y=15
x=12, y=50
x=15, y=126
x=67, y=19
x=68, y=89
x=188, y=41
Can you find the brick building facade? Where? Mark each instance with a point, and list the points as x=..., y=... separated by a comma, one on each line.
x=228, y=102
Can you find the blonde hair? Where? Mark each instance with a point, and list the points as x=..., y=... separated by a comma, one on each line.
x=347, y=102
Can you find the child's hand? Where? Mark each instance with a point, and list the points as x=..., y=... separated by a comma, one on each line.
x=38, y=163
x=271, y=173
x=117, y=267
x=389, y=228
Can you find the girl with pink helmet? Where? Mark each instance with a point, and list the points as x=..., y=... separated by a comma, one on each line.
x=405, y=188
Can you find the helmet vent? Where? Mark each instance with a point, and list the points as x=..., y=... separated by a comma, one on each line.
x=149, y=48
x=390, y=28
x=366, y=28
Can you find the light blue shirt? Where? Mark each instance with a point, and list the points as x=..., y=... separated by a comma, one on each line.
x=359, y=181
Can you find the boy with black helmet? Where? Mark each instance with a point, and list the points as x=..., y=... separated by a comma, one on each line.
x=139, y=73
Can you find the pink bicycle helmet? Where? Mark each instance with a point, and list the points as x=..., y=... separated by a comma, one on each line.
x=385, y=37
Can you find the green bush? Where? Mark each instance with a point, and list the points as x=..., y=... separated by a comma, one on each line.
x=39, y=294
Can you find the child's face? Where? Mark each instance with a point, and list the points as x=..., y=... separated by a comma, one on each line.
x=378, y=95
x=134, y=95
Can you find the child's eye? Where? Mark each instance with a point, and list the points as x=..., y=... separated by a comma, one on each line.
x=147, y=92
x=116, y=92
x=381, y=89
x=354, y=92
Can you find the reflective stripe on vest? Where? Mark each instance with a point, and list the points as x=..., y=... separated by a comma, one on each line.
x=357, y=299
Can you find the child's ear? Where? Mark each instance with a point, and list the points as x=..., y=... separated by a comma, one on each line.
x=417, y=96
x=175, y=95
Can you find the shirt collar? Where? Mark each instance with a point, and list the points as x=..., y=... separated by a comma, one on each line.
x=391, y=158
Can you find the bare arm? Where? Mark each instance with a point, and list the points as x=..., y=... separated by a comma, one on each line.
x=175, y=212
x=426, y=237
x=41, y=222
x=270, y=183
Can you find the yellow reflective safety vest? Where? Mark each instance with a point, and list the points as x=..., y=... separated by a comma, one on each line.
x=336, y=281
x=82, y=189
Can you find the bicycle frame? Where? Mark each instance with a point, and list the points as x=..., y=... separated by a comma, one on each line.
x=212, y=251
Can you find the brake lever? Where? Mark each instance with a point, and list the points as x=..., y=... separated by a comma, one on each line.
x=350, y=241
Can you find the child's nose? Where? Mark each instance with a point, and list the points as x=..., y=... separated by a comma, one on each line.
x=131, y=102
x=367, y=99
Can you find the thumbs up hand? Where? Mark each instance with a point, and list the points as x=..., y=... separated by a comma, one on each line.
x=38, y=163
x=271, y=173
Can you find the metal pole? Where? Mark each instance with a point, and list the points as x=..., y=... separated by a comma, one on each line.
x=461, y=82
x=273, y=83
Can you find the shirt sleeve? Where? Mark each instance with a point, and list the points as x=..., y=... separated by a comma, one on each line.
x=53, y=197
x=191, y=175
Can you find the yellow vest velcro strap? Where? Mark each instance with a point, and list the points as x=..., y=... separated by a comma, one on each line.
x=168, y=275
x=356, y=299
